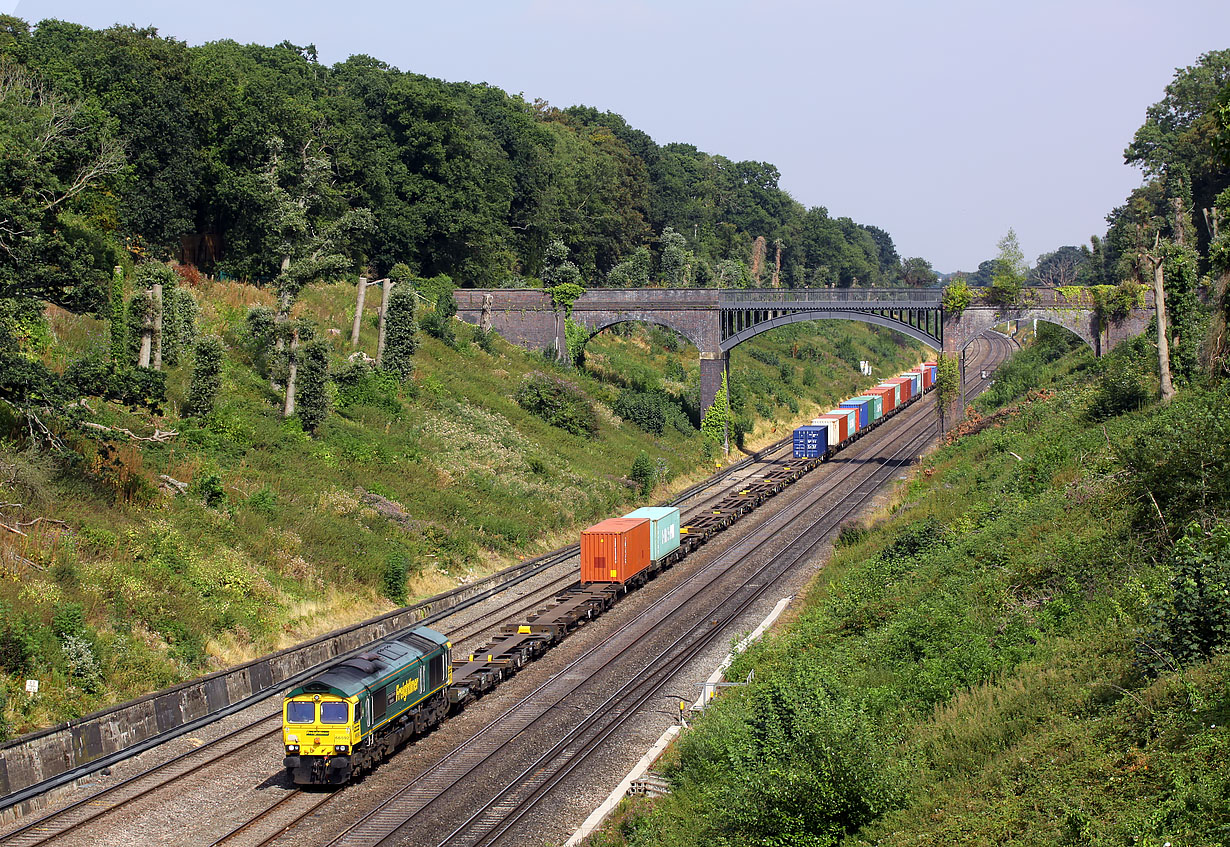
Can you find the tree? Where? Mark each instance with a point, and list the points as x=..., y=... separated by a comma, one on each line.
x=1011, y=270
x=675, y=259
x=57, y=155
x=1060, y=268
x=633, y=272
x=918, y=272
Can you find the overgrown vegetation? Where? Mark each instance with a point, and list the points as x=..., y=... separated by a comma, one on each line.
x=1031, y=647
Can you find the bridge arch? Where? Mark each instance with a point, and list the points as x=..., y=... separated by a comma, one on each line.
x=1083, y=324
x=653, y=320
x=829, y=315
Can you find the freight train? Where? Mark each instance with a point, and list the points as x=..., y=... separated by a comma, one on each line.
x=349, y=717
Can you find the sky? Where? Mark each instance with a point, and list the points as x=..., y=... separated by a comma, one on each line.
x=944, y=123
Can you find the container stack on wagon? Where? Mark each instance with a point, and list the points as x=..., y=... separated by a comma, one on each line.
x=811, y=441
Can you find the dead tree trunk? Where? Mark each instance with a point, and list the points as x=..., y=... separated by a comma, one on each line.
x=358, y=314
x=1163, y=341
x=147, y=332
x=157, y=293
x=292, y=371
x=386, y=290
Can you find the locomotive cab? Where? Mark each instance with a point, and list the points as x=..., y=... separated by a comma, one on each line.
x=320, y=731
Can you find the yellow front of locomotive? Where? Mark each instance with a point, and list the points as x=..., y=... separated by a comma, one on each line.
x=319, y=732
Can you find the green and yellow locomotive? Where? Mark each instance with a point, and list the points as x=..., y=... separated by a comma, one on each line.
x=353, y=714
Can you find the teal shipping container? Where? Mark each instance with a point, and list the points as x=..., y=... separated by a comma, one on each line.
x=877, y=405
x=663, y=529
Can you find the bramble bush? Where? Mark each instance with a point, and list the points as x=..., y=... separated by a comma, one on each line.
x=558, y=403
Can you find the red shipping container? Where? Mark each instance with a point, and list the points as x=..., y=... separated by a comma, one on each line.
x=887, y=394
x=907, y=387
x=615, y=550
x=842, y=422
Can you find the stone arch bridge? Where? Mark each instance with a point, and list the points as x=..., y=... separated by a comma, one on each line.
x=718, y=320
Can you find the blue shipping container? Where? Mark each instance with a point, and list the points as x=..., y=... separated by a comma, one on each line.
x=663, y=529
x=864, y=409
x=811, y=441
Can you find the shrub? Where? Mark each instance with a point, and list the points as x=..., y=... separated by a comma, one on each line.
x=957, y=297
x=643, y=472
x=558, y=403
x=439, y=324
x=1121, y=384
x=1181, y=458
x=209, y=488
x=358, y=384
x=652, y=411
x=206, y=378
x=396, y=568
x=1193, y=623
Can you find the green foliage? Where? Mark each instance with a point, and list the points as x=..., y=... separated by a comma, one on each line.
x=633, y=272
x=396, y=569
x=209, y=488
x=716, y=422
x=559, y=273
x=1123, y=381
x=575, y=336
x=558, y=403
x=564, y=295
x=401, y=332
x=206, y=378
x=652, y=410
x=957, y=297
x=947, y=380
x=1192, y=623
x=643, y=473
x=1116, y=302
x=1010, y=272
x=439, y=323
x=359, y=384
x=118, y=323
x=675, y=259
x=179, y=331
x=312, y=402
x=1179, y=458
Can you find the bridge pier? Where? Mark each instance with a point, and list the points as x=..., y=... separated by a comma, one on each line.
x=713, y=366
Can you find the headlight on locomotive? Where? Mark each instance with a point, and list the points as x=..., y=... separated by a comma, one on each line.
x=341, y=748
x=292, y=748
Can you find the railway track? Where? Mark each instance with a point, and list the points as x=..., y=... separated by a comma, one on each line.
x=410, y=807
x=285, y=813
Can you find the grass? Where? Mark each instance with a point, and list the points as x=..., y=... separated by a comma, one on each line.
x=291, y=543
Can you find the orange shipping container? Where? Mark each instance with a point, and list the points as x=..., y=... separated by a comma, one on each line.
x=907, y=387
x=888, y=394
x=615, y=550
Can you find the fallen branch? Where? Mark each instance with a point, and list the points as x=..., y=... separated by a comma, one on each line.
x=159, y=435
x=13, y=529
x=40, y=520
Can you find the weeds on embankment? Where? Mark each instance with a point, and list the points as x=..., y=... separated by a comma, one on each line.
x=1000, y=660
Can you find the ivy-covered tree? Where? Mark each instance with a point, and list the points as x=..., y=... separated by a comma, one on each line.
x=206, y=377
x=401, y=332
x=313, y=396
